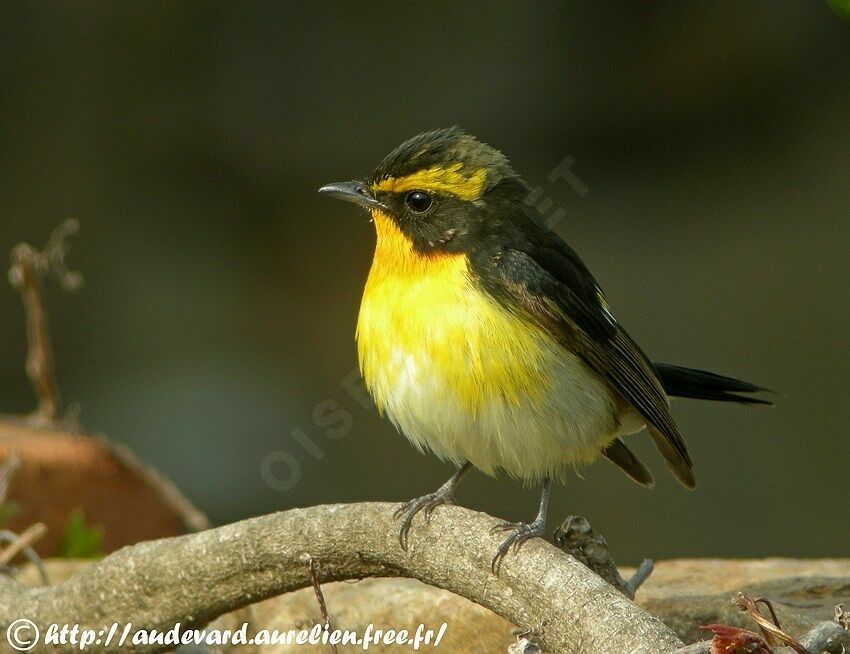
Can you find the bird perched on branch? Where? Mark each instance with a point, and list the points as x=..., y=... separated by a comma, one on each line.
x=485, y=339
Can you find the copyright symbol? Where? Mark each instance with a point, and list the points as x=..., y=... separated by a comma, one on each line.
x=22, y=635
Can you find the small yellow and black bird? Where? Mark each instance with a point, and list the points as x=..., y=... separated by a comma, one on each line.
x=486, y=340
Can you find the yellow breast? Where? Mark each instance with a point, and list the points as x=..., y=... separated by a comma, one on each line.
x=423, y=323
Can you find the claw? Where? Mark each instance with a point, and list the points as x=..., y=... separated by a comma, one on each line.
x=505, y=526
x=427, y=504
x=400, y=511
x=443, y=495
x=522, y=533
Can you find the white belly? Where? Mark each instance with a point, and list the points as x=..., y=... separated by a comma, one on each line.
x=566, y=425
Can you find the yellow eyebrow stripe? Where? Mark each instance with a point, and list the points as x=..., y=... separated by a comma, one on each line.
x=439, y=179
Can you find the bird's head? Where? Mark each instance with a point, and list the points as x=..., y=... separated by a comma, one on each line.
x=442, y=190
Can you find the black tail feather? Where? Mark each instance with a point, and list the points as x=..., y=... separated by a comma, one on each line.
x=703, y=385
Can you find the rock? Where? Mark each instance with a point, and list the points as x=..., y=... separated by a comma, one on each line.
x=687, y=593
x=62, y=471
x=388, y=604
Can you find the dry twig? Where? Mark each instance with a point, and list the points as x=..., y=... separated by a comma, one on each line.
x=29, y=268
x=18, y=544
x=772, y=631
x=7, y=471
x=22, y=542
x=310, y=562
x=831, y=637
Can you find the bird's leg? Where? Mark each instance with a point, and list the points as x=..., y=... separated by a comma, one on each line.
x=443, y=495
x=522, y=531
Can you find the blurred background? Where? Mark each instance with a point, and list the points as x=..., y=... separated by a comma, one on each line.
x=215, y=333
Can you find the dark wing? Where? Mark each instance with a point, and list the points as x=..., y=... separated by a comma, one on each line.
x=540, y=276
x=622, y=457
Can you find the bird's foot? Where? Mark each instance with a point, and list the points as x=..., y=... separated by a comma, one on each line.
x=522, y=532
x=427, y=504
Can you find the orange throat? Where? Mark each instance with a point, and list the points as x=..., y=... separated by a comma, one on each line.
x=395, y=255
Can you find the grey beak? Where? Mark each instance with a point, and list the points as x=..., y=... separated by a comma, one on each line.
x=354, y=191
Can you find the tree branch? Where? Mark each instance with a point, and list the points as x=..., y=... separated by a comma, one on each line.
x=194, y=578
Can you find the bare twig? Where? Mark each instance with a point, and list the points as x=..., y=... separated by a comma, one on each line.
x=165, y=488
x=29, y=268
x=194, y=578
x=831, y=637
x=18, y=544
x=310, y=562
x=7, y=472
x=576, y=537
x=769, y=605
x=24, y=542
x=842, y=617
x=773, y=633
x=646, y=568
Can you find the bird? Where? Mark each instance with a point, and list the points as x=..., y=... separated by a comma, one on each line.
x=485, y=339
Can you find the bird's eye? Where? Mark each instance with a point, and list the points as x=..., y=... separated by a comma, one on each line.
x=418, y=201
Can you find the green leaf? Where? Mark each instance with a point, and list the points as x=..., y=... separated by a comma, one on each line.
x=80, y=541
x=8, y=510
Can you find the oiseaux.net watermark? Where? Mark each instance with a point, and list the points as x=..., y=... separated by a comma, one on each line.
x=24, y=635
